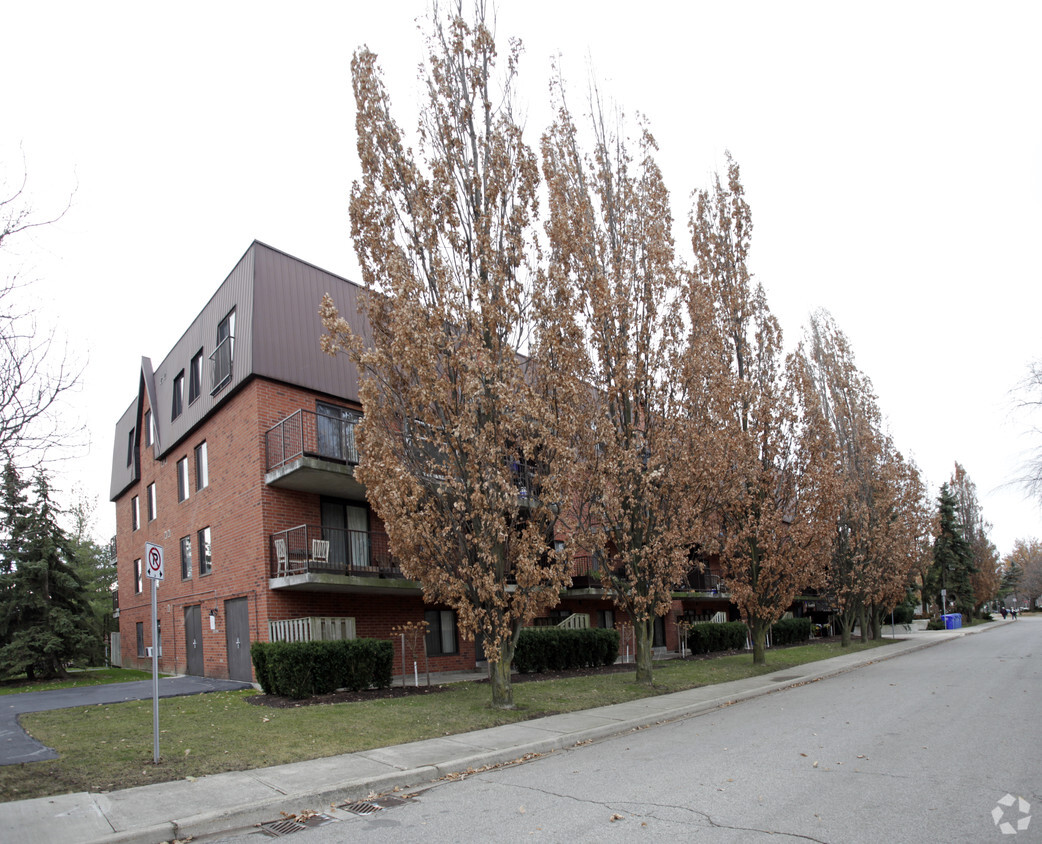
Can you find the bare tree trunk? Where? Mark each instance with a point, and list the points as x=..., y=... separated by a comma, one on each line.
x=502, y=689
x=758, y=634
x=499, y=672
x=642, y=646
x=846, y=627
x=863, y=623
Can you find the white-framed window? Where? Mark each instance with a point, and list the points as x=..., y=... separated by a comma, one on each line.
x=182, y=479
x=135, y=513
x=202, y=468
x=138, y=585
x=153, y=511
x=205, y=558
x=177, y=403
x=186, y=557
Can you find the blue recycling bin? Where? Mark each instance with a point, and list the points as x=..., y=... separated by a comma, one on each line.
x=952, y=620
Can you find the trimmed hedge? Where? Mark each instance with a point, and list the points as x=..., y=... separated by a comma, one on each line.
x=708, y=636
x=790, y=631
x=561, y=649
x=304, y=669
x=904, y=614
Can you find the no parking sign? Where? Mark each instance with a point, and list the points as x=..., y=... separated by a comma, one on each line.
x=153, y=561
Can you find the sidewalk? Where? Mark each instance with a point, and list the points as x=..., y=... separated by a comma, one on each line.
x=242, y=799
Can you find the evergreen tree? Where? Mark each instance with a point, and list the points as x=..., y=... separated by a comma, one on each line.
x=952, y=556
x=96, y=566
x=45, y=619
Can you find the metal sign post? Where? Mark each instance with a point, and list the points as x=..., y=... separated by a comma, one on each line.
x=154, y=572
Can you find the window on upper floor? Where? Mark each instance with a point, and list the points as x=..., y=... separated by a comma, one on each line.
x=152, y=509
x=205, y=559
x=138, y=585
x=223, y=354
x=186, y=557
x=195, y=377
x=182, y=479
x=177, y=401
x=148, y=427
x=202, y=467
x=130, y=448
x=135, y=513
x=441, y=632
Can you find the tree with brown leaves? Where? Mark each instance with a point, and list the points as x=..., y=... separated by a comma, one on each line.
x=649, y=451
x=465, y=441
x=777, y=527
x=882, y=512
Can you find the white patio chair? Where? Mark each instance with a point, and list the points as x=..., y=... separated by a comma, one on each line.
x=282, y=556
x=320, y=551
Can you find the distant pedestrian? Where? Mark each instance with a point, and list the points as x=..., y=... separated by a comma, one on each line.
x=1003, y=611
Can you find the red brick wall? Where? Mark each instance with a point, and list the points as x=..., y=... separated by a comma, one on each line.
x=242, y=513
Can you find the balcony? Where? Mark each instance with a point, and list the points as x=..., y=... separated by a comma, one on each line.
x=313, y=557
x=313, y=452
x=706, y=583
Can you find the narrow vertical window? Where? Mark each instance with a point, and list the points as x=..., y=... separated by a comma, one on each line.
x=195, y=376
x=182, y=479
x=130, y=448
x=135, y=513
x=202, y=469
x=177, y=401
x=222, y=356
x=205, y=560
x=148, y=427
x=152, y=511
x=139, y=628
x=137, y=575
x=186, y=557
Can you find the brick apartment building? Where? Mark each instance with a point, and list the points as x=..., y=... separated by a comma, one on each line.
x=237, y=457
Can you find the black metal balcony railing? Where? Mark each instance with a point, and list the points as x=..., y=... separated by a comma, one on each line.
x=703, y=581
x=308, y=549
x=307, y=433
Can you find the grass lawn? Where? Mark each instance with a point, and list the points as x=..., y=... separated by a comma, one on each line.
x=109, y=747
x=86, y=677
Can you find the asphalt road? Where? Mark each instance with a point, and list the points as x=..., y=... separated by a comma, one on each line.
x=17, y=746
x=921, y=748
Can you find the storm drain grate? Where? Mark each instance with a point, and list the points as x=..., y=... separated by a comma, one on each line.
x=276, y=829
x=287, y=826
x=362, y=807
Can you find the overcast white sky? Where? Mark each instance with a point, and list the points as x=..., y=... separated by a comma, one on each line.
x=891, y=152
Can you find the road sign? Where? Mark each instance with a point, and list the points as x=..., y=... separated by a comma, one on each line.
x=153, y=561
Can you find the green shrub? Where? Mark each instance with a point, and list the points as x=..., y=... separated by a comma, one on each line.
x=304, y=669
x=790, y=631
x=935, y=624
x=561, y=649
x=709, y=637
x=903, y=614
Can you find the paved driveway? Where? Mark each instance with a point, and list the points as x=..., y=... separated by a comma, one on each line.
x=17, y=746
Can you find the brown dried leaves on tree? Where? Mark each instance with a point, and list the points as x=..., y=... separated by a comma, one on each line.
x=467, y=416
x=776, y=527
x=648, y=454
x=883, y=516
